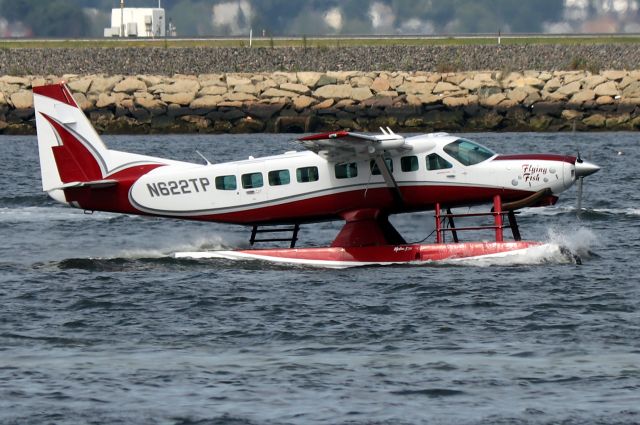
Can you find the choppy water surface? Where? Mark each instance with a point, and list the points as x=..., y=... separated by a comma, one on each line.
x=98, y=324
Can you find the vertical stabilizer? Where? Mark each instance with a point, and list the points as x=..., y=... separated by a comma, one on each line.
x=72, y=154
x=70, y=149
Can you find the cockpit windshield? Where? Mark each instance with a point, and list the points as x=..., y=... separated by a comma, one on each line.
x=467, y=152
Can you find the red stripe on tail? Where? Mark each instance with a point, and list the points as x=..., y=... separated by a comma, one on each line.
x=58, y=92
x=75, y=162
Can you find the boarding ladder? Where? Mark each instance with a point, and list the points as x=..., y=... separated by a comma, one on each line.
x=275, y=230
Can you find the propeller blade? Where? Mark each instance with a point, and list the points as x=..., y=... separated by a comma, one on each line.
x=579, y=201
x=583, y=168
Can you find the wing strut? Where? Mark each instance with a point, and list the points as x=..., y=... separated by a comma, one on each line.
x=389, y=179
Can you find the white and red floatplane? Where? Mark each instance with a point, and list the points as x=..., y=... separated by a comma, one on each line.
x=359, y=178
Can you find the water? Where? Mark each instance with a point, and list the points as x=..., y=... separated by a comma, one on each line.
x=99, y=324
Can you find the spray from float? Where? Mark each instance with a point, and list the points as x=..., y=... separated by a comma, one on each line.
x=578, y=241
x=200, y=243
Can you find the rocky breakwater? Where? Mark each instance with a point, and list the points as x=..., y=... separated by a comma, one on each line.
x=361, y=101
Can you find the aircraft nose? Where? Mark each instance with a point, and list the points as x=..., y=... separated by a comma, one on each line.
x=585, y=168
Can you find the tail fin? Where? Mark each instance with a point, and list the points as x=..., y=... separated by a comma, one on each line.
x=72, y=153
x=70, y=149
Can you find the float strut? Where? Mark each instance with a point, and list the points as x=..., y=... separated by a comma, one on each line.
x=452, y=225
x=513, y=223
x=439, y=238
x=497, y=213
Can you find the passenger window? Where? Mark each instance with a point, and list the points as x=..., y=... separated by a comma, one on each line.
x=436, y=162
x=346, y=171
x=307, y=174
x=279, y=177
x=252, y=180
x=374, y=167
x=409, y=163
x=226, y=183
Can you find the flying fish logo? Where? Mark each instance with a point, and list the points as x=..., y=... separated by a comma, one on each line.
x=532, y=173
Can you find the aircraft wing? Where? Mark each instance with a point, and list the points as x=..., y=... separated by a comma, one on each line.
x=346, y=146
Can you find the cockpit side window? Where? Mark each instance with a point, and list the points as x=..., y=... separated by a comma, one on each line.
x=467, y=152
x=436, y=162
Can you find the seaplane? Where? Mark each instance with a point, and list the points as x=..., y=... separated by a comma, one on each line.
x=361, y=179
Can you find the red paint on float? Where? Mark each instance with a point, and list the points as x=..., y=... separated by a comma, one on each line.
x=390, y=253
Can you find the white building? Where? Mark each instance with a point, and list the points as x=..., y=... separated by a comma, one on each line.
x=138, y=22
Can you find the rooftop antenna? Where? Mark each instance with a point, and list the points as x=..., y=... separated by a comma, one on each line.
x=121, y=18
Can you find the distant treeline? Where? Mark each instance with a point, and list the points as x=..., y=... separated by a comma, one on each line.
x=77, y=18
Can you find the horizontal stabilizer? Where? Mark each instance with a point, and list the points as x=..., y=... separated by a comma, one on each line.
x=95, y=184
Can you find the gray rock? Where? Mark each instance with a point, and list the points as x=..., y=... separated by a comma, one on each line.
x=296, y=88
x=104, y=84
x=206, y=102
x=212, y=90
x=595, y=121
x=264, y=111
x=607, y=89
x=247, y=88
x=334, y=91
x=80, y=85
x=444, y=120
x=302, y=102
x=570, y=89
x=489, y=120
x=19, y=81
x=247, y=125
x=416, y=88
x=175, y=110
x=129, y=85
x=583, y=96
x=325, y=80
x=181, y=98
x=278, y=93
x=22, y=100
x=310, y=79
x=540, y=122
x=361, y=93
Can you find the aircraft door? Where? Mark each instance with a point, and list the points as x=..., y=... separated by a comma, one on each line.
x=252, y=185
x=279, y=183
x=228, y=189
x=441, y=169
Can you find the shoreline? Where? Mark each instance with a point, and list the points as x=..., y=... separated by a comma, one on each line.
x=295, y=102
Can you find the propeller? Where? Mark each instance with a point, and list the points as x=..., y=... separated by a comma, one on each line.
x=580, y=181
x=583, y=169
x=579, y=201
